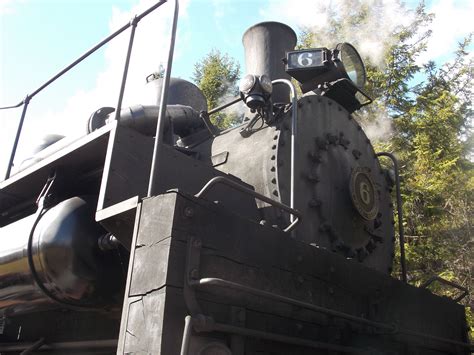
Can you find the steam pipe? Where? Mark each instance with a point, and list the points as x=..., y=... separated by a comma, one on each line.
x=164, y=99
x=294, y=117
x=399, y=212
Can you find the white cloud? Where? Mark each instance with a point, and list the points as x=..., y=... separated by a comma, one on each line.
x=453, y=21
x=8, y=6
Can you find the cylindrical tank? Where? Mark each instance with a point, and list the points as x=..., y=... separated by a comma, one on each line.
x=57, y=262
x=265, y=46
x=181, y=92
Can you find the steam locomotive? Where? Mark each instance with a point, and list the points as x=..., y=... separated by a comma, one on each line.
x=272, y=237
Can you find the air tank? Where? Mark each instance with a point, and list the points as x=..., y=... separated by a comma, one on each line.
x=55, y=261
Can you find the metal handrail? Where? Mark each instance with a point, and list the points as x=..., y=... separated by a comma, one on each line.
x=223, y=180
x=432, y=279
x=28, y=97
x=155, y=161
x=401, y=231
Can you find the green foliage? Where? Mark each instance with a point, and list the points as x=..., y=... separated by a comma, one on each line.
x=431, y=114
x=216, y=75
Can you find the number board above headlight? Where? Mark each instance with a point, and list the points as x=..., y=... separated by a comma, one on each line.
x=306, y=64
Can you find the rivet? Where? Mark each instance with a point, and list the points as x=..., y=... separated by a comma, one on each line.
x=188, y=212
x=274, y=146
x=314, y=203
x=275, y=137
x=274, y=181
x=312, y=178
x=273, y=157
x=197, y=243
x=275, y=192
x=272, y=169
x=194, y=274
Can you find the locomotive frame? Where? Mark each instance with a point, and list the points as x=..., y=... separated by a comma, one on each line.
x=205, y=275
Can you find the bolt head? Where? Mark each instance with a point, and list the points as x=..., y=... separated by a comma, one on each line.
x=188, y=212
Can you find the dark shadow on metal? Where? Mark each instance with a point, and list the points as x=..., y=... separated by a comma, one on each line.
x=26, y=101
x=238, y=187
x=33, y=347
x=401, y=231
x=64, y=347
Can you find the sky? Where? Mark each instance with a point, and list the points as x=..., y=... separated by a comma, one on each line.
x=40, y=37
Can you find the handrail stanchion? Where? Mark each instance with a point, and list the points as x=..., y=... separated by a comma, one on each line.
x=155, y=162
x=133, y=24
x=26, y=101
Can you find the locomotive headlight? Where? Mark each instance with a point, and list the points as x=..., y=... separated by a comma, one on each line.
x=353, y=65
x=338, y=74
x=247, y=83
x=266, y=84
x=256, y=91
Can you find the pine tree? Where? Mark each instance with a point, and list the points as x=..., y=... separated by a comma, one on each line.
x=216, y=75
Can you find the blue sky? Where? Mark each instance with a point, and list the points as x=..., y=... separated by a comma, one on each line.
x=39, y=37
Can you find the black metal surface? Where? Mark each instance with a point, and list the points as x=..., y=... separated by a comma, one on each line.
x=265, y=45
x=290, y=291
x=241, y=188
x=80, y=161
x=328, y=145
x=65, y=266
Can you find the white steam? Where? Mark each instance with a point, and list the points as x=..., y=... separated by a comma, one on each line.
x=371, y=35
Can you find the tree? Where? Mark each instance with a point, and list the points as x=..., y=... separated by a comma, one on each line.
x=217, y=75
x=431, y=136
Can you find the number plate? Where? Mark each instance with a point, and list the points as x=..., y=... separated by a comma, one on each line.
x=306, y=64
x=363, y=193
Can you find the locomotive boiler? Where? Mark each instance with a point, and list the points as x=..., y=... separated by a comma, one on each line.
x=272, y=237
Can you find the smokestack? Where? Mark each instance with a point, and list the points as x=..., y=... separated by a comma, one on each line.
x=265, y=45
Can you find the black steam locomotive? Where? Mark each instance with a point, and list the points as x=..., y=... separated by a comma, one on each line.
x=272, y=237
